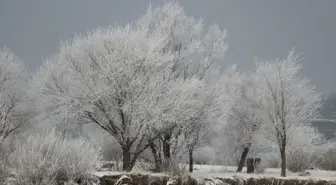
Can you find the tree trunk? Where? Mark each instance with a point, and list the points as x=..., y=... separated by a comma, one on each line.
x=157, y=158
x=283, y=161
x=250, y=165
x=191, y=159
x=126, y=159
x=166, y=146
x=242, y=159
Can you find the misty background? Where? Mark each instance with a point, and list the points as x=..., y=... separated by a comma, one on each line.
x=260, y=28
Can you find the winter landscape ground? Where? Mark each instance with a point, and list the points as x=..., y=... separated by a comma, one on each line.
x=204, y=171
x=149, y=96
x=229, y=171
x=229, y=175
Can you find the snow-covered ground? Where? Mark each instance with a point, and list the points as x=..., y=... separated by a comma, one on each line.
x=230, y=171
x=107, y=173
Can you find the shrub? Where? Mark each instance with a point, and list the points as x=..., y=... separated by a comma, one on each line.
x=5, y=150
x=260, y=168
x=271, y=159
x=326, y=159
x=111, y=150
x=48, y=158
x=302, y=148
x=298, y=160
x=142, y=166
x=204, y=155
x=175, y=168
x=3, y=162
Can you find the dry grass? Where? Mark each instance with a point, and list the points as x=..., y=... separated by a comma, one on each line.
x=48, y=158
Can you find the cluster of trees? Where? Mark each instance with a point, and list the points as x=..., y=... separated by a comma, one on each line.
x=153, y=83
x=272, y=103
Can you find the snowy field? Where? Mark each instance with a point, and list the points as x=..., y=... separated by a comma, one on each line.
x=230, y=171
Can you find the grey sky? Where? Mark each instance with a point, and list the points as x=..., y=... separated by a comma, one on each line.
x=34, y=28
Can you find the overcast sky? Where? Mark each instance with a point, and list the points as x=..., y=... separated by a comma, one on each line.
x=33, y=29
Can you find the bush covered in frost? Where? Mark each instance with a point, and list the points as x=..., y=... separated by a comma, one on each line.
x=48, y=158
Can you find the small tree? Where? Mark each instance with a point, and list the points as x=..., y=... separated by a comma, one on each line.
x=12, y=78
x=289, y=100
x=244, y=120
x=199, y=133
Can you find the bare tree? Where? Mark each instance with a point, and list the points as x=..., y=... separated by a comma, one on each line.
x=289, y=99
x=12, y=78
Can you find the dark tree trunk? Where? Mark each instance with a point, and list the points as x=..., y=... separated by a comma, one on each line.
x=250, y=165
x=126, y=159
x=191, y=159
x=166, y=146
x=283, y=160
x=242, y=159
x=157, y=158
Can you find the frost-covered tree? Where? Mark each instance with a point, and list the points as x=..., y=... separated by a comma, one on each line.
x=12, y=82
x=289, y=99
x=201, y=129
x=244, y=122
x=128, y=79
x=194, y=50
x=197, y=136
